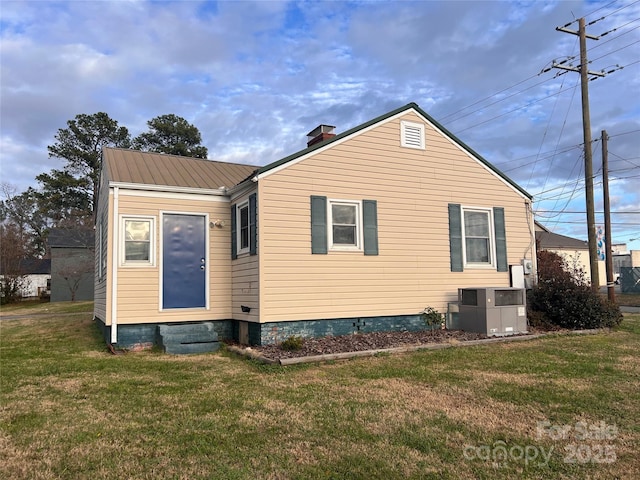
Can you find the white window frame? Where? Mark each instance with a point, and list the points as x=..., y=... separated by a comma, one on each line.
x=152, y=241
x=239, y=208
x=340, y=247
x=404, y=125
x=492, y=241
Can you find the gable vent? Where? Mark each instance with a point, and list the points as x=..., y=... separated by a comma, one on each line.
x=412, y=135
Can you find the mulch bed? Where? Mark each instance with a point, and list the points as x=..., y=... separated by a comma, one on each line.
x=366, y=341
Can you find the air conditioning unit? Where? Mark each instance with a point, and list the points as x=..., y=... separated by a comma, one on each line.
x=494, y=311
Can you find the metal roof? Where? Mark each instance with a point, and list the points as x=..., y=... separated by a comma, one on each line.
x=149, y=168
x=32, y=266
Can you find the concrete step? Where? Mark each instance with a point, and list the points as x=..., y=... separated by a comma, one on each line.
x=203, y=328
x=191, y=348
x=187, y=338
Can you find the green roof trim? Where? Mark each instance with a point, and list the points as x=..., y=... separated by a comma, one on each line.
x=381, y=118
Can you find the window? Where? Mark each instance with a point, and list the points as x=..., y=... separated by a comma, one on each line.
x=243, y=227
x=344, y=225
x=477, y=238
x=344, y=221
x=138, y=241
x=412, y=135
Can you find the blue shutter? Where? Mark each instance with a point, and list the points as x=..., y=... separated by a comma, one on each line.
x=318, y=224
x=501, y=239
x=455, y=237
x=234, y=237
x=370, y=220
x=253, y=224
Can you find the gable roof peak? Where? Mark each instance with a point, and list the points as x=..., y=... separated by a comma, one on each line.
x=386, y=116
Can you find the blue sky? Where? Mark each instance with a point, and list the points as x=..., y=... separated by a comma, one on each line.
x=255, y=77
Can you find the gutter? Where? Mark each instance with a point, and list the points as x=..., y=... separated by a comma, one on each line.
x=222, y=191
x=242, y=187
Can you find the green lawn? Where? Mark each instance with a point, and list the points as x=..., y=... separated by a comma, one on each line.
x=627, y=299
x=36, y=307
x=70, y=410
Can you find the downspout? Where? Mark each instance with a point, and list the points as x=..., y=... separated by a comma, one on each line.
x=114, y=266
x=532, y=244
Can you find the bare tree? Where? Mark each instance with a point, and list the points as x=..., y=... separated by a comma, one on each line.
x=14, y=281
x=76, y=267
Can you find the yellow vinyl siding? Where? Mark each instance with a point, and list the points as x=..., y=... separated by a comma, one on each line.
x=139, y=293
x=245, y=275
x=413, y=189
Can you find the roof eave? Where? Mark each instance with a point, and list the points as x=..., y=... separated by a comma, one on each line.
x=222, y=191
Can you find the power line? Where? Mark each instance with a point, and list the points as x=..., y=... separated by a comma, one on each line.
x=598, y=9
x=564, y=124
x=618, y=36
x=452, y=114
x=551, y=153
x=497, y=101
x=571, y=195
x=516, y=109
x=630, y=131
x=581, y=222
x=524, y=106
x=632, y=63
x=570, y=182
x=624, y=159
x=618, y=170
x=614, y=51
x=574, y=183
x=443, y=119
x=621, y=8
x=582, y=212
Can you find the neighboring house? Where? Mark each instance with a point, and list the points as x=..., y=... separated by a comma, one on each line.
x=72, y=264
x=619, y=249
x=37, y=277
x=574, y=251
x=358, y=232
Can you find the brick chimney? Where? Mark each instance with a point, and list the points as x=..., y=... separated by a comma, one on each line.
x=319, y=134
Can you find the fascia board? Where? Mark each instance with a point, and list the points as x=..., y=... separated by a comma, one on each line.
x=169, y=189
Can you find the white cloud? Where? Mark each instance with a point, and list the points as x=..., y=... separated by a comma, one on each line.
x=255, y=77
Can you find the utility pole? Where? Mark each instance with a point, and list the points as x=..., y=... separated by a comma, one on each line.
x=583, y=69
x=611, y=291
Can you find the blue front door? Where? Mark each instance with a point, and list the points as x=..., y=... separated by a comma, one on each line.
x=184, y=262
